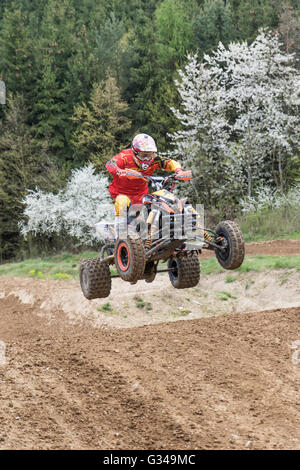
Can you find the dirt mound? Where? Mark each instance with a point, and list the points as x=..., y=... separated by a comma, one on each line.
x=226, y=382
x=69, y=380
x=269, y=248
x=144, y=304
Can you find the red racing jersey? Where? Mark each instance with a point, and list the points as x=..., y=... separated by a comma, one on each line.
x=137, y=188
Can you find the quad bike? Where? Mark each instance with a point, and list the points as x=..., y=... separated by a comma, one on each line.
x=151, y=239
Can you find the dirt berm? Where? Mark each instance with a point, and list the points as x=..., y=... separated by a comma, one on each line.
x=227, y=381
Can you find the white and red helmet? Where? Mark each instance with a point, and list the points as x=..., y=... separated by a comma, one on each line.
x=144, y=148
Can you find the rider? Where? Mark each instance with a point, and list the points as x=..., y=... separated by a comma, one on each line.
x=141, y=159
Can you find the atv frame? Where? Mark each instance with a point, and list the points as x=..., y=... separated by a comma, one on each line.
x=136, y=256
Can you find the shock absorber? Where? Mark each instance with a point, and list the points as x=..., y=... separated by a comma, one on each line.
x=207, y=237
x=152, y=220
x=148, y=242
x=151, y=232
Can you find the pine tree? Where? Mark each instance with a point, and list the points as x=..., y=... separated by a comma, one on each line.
x=18, y=67
x=109, y=48
x=214, y=24
x=101, y=124
x=64, y=67
x=255, y=14
x=139, y=80
x=173, y=19
x=23, y=164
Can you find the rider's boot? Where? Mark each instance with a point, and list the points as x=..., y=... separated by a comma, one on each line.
x=109, y=233
x=121, y=227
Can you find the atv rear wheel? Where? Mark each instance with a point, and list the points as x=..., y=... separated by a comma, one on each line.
x=130, y=258
x=233, y=254
x=95, y=280
x=185, y=271
x=150, y=271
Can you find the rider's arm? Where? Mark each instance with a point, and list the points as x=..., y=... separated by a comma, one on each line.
x=116, y=163
x=168, y=164
x=117, y=166
x=172, y=166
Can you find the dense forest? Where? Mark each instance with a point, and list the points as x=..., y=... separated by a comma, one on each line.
x=84, y=76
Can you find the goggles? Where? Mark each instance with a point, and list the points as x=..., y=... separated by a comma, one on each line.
x=145, y=156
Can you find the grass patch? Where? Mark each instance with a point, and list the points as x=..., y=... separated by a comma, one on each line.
x=223, y=295
x=271, y=224
x=66, y=267
x=140, y=303
x=60, y=267
x=106, y=308
x=262, y=263
x=230, y=279
x=253, y=263
x=210, y=266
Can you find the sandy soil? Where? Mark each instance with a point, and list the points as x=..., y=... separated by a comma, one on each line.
x=74, y=377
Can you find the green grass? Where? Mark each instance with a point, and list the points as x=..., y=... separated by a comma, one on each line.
x=225, y=295
x=253, y=263
x=260, y=237
x=230, y=279
x=140, y=303
x=61, y=267
x=282, y=223
x=210, y=266
x=66, y=267
x=107, y=308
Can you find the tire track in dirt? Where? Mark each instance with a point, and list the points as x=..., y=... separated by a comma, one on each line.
x=226, y=382
x=210, y=383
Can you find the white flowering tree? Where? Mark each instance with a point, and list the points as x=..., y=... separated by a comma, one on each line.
x=203, y=135
x=238, y=116
x=73, y=211
x=268, y=198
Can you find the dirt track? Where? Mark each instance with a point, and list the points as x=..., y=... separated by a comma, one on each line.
x=272, y=247
x=207, y=383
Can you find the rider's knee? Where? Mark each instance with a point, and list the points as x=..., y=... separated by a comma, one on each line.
x=122, y=203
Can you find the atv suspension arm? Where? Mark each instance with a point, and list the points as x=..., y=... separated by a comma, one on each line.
x=211, y=244
x=160, y=271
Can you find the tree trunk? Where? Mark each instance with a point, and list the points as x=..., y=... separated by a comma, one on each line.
x=280, y=171
x=249, y=173
x=29, y=238
x=249, y=160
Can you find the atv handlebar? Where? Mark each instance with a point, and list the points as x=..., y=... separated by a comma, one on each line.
x=159, y=182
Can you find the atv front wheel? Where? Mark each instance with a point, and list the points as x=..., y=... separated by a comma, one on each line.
x=185, y=272
x=233, y=242
x=130, y=258
x=95, y=280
